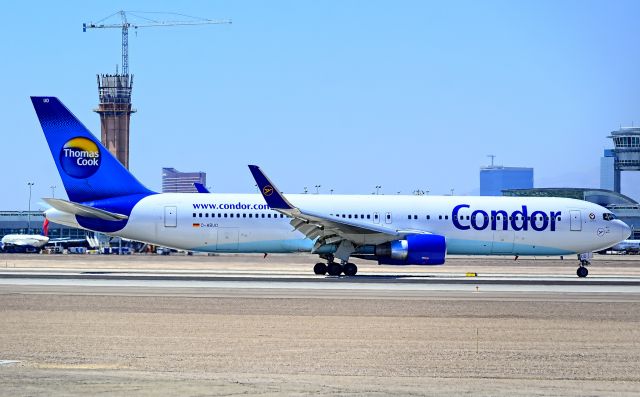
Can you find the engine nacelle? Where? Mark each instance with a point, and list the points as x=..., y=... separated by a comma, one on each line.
x=416, y=249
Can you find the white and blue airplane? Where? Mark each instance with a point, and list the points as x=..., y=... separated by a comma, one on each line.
x=393, y=230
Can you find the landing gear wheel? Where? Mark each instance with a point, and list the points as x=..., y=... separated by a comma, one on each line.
x=334, y=269
x=320, y=269
x=350, y=269
x=582, y=271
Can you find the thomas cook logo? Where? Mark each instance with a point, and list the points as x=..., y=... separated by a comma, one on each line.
x=267, y=190
x=80, y=157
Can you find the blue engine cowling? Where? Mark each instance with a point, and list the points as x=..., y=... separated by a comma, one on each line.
x=415, y=249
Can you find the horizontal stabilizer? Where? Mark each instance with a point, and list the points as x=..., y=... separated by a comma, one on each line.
x=84, y=210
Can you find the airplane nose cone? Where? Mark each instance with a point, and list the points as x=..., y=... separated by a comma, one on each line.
x=626, y=231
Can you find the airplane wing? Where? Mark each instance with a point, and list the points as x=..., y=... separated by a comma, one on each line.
x=327, y=230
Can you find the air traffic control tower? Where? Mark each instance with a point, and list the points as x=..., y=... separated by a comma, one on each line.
x=115, y=111
x=624, y=157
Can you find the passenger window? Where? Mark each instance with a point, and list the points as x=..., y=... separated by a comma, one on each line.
x=440, y=217
x=349, y=216
x=408, y=216
x=206, y=215
x=428, y=216
x=250, y=215
x=200, y=215
x=263, y=215
x=343, y=215
x=446, y=217
x=194, y=214
x=232, y=215
x=361, y=216
x=388, y=216
x=268, y=215
x=238, y=215
x=368, y=216
x=225, y=215
x=213, y=215
x=244, y=215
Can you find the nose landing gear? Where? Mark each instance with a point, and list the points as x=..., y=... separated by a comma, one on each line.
x=582, y=270
x=584, y=262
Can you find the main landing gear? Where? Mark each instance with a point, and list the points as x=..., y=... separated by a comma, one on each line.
x=335, y=269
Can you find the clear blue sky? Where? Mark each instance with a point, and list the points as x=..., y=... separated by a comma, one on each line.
x=345, y=94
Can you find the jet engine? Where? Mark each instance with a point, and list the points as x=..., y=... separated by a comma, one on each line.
x=415, y=249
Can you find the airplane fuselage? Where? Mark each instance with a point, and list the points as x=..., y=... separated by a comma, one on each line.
x=471, y=225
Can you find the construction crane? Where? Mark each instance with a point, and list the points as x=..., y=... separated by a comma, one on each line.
x=149, y=22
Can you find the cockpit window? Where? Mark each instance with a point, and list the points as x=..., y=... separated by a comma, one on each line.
x=607, y=216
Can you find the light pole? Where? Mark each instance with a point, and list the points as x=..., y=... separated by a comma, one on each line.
x=53, y=191
x=318, y=189
x=331, y=191
x=452, y=192
x=378, y=187
x=306, y=190
x=30, y=184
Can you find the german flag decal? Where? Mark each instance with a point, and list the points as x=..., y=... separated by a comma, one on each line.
x=196, y=225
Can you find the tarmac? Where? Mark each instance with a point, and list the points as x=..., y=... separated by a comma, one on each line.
x=244, y=324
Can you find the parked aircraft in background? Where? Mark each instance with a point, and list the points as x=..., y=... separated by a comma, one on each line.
x=393, y=230
x=627, y=247
x=34, y=243
x=23, y=243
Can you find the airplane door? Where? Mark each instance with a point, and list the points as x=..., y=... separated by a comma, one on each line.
x=387, y=217
x=170, y=216
x=228, y=239
x=576, y=220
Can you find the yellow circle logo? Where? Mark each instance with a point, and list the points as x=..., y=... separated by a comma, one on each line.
x=267, y=190
x=80, y=157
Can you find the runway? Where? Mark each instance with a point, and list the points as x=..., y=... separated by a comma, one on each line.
x=241, y=325
x=389, y=284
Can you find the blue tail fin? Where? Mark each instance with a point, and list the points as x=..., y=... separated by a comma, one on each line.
x=88, y=171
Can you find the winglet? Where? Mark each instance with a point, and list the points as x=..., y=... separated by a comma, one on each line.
x=200, y=188
x=271, y=194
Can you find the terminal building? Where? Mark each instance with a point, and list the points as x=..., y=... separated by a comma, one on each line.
x=623, y=207
x=494, y=179
x=174, y=181
x=25, y=222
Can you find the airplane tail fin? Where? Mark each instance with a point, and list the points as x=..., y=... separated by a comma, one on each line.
x=88, y=170
x=45, y=228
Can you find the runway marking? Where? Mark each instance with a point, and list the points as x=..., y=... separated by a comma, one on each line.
x=8, y=362
x=326, y=284
x=570, y=281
